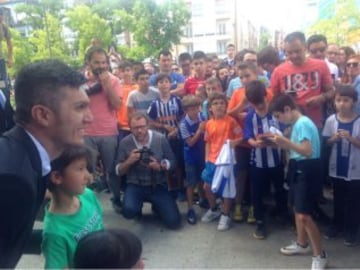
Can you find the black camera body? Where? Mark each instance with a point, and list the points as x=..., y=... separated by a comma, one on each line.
x=145, y=154
x=91, y=90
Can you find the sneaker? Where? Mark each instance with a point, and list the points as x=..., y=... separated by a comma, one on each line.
x=319, y=262
x=350, y=240
x=238, y=216
x=224, y=223
x=260, y=232
x=191, y=217
x=294, y=249
x=251, y=218
x=332, y=232
x=211, y=215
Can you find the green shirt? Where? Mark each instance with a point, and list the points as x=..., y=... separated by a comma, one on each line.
x=62, y=232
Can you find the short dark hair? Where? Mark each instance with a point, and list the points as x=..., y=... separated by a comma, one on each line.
x=247, y=65
x=213, y=80
x=295, y=36
x=139, y=73
x=93, y=50
x=199, y=55
x=165, y=53
x=69, y=155
x=108, y=249
x=315, y=39
x=125, y=64
x=239, y=57
x=162, y=76
x=255, y=92
x=280, y=101
x=347, y=91
x=184, y=56
x=41, y=82
x=215, y=96
x=268, y=55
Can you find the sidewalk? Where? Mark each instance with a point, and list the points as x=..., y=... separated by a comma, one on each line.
x=202, y=246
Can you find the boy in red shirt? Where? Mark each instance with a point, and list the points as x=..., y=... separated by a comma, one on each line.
x=199, y=65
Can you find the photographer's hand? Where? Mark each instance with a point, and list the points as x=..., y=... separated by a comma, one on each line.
x=133, y=157
x=154, y=164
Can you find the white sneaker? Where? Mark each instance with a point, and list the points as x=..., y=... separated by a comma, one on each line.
x=224, y=223
x=319, y=263
x=210, y=215
x=294, y=249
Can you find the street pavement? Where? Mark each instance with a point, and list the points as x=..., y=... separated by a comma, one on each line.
x=202, y=246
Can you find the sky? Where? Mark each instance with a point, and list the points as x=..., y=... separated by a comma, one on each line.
x=288, y=15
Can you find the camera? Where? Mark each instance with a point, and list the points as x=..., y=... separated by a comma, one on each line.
x=91, y=90
x=145, y=154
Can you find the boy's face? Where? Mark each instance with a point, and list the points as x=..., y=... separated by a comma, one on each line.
x=211, y=88
x=260, y=108
x=199, y=66
x=128, y=73
x=74, y=178
x=344, y=104
x=193, y=112
x=218, y=108
x=164, y=85
x=223, y=73
x=246, y=76
x=143, y=81
x=284, y=117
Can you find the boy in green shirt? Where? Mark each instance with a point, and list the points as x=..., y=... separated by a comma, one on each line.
x=73, y=211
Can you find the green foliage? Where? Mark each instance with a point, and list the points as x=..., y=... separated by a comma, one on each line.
x=155, y=26
x=344, y=27
x=87, y=25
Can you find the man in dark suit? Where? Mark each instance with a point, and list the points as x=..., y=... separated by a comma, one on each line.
x=51, y=112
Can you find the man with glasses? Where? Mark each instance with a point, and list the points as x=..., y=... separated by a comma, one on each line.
x=307, y=79
x=144, y=157
x=318, y=48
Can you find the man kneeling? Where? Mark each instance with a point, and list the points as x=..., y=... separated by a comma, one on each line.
x=144, y=157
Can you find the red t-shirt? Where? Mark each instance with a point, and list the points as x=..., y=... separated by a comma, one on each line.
x=191, y=84
x=305, y=81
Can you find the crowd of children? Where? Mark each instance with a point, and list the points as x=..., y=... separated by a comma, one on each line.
x=269, y=136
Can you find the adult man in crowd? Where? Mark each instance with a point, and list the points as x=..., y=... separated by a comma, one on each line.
x=332, y=53
x=307, y=79
x=144, y=157
x=165, y=65
x=104, y=91
x=317, y=47
x=51, y=112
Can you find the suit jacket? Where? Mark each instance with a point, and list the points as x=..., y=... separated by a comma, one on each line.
x=6, y=116
x=22, y=190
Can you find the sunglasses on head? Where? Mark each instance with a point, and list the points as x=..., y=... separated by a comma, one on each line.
x=313, y=51
x=352, y=64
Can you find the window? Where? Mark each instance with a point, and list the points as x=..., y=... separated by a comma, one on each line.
x=221, y=46
x=221, y=27
x=188, y=31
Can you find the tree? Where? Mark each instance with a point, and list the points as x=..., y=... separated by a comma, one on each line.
x=344, y=27
x=154, y=26
x=87, y=25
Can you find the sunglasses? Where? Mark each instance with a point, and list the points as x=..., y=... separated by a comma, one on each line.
x=352, y=64
x=314, y=51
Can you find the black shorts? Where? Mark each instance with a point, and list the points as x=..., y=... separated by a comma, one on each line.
x=242, y=156
x=304, y=178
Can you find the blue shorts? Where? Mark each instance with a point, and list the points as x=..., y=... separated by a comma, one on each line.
x=207, y=174
x=193, y=174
